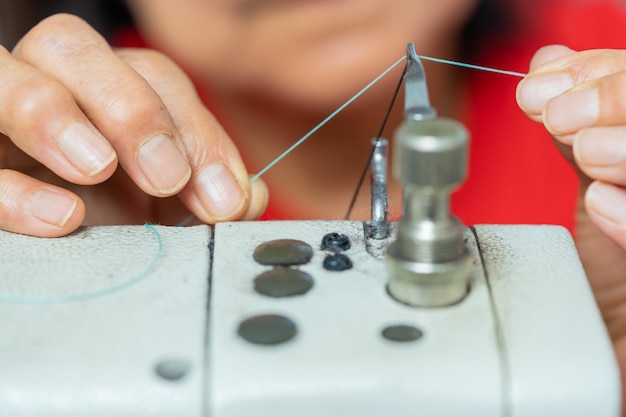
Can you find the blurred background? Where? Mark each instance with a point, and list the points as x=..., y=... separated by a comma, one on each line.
x=17, y=17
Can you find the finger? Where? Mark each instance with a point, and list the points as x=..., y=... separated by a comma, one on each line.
x=604, y=203
x=32, y=207
x=593, y=103
x=600, y=152
x=555, y=91
x=538, y=87
x=119, y=102
x=258, y=200
x=41, y=117
x=219, y=188
x=577, y=91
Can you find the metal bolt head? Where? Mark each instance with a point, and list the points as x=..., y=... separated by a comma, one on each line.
x=422, y=284
x=431, y=153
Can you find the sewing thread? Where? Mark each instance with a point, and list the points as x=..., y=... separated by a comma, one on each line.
x=326, y=120
x=300, y=141
x=472, y=66
x=375, y=144
x=58, y=299
x=367, y=87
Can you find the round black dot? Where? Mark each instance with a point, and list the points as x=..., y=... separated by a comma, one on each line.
x=337, y=262
x=283, y=252
x=402, y=333
x=283, y=282
x=172, y=369
x=335, y=242
x=268, y=329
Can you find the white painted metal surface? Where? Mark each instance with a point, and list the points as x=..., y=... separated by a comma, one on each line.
x=561, y=361
x=338, y=364
x=531, y=343
x=97, y=357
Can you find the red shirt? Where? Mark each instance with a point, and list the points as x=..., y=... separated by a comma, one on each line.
x=517, y=175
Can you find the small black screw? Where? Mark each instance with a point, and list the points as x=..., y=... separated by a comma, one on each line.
x=335, y=242
x=337, y=262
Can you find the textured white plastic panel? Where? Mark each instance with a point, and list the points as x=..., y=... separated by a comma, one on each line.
x=64, y=354
x=560, y=356
x=338, y=363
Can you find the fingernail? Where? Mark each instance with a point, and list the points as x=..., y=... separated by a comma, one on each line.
x=573, y=111
x=607, y=201
x=52, y=207
x=163, y=164
x=536, y=91
x=219, y=191
x=600, y=146
x=86, y=149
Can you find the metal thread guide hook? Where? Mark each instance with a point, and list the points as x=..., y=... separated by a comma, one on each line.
x=416, y=100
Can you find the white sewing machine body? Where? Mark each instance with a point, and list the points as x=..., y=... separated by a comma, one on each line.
x=302, y=318
x=527, y=340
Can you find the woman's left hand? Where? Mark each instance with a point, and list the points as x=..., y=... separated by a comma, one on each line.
x=580, y=97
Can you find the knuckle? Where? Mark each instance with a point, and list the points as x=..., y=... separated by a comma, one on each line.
x=9, y=195
x=612, y=101
x=613, y=86
x=36, y=98
x=61, y=20
x=144, y=56
x=60, y=35
x=152, y=65
x=134, y=104
x=596, y=64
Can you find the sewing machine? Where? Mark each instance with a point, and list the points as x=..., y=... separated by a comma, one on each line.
x=418, y=318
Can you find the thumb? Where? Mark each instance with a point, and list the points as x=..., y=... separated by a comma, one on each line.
x=534, y=91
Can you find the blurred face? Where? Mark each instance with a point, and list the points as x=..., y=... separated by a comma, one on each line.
x=308, y=53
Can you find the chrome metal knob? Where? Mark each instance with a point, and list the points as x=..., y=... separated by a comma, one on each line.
x=428, y=263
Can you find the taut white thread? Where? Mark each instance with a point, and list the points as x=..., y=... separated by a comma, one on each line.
x=353, y=98
x=367, y=87
x=472, y=66
x=323, y=122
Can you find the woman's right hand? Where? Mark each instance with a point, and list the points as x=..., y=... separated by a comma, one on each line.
x=72, y=108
